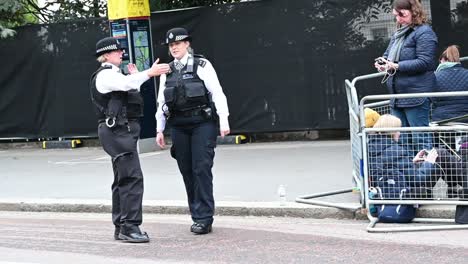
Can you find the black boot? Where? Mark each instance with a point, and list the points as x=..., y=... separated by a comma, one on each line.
x=200, y=228
x=132, y=234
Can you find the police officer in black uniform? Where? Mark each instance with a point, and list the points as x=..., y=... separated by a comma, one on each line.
x=192, y=101
x=119, y=106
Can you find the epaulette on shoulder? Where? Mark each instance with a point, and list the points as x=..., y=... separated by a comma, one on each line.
x=201, y=59
x=202, y=63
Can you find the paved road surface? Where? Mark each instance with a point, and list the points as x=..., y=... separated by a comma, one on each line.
x=249, y=172
x=87, y=238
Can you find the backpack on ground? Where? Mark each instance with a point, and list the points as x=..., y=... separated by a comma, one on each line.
x=393, y=187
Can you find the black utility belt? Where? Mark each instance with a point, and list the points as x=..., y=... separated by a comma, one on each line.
x=188, y=113
x=129, y=120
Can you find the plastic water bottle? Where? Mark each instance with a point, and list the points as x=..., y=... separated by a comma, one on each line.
x=282, y=195
x=439, y=191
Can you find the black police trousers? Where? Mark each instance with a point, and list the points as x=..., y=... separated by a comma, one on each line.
x=193, y=147
x=127, y=189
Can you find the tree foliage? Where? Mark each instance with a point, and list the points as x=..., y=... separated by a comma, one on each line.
x=460, y=13
x=21, y=12
x=13, y=13
x=52, y=11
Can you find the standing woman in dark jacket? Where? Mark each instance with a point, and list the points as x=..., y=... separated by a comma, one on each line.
x=410, y=61
x=451, y=77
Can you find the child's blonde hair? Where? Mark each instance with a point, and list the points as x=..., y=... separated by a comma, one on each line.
x=387, y=121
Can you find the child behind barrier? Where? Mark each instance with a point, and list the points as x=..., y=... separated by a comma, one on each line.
x=388, y=159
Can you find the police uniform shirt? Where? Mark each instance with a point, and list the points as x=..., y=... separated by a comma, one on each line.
x=113, y=80
x=208, y=74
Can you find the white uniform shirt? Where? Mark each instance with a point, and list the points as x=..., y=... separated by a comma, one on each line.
x=112, y=80
x=209, y=77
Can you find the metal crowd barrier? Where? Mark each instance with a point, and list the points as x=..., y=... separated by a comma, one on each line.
x=445, y=182
x=359, y=172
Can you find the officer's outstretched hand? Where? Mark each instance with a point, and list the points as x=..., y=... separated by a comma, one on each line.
x=158, y=69
x=225, y=132
x=132, y=68
x=160, y=140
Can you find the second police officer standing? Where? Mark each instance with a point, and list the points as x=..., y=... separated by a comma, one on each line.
x=191, y=100
x=118, y=105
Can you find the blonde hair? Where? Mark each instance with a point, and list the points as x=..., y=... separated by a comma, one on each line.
x=386, y=121
x=451, y=54
x=101, y=59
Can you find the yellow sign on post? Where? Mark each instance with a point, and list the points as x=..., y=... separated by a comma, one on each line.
x=118, y=9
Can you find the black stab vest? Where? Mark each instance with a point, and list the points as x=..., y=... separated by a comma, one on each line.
x=185, y=91
x=119, y=104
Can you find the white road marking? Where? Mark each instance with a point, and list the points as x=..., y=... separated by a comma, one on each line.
x=98, y=160
x=79, y=162
x=72, y=160
x=102, y=158
x=9, y=262
x=149, y=154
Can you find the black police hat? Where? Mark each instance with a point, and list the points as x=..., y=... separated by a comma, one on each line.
x=107, y=45
x=177, y=34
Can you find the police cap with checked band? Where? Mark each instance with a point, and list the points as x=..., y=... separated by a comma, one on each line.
x=107, y=45
x=177, y=34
